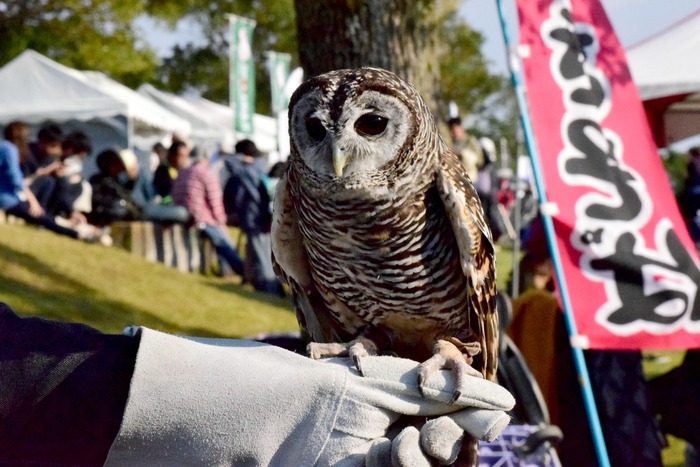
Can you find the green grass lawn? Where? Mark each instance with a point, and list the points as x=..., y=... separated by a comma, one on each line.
x=55, y=277
x=656, y=363
x=47, y=275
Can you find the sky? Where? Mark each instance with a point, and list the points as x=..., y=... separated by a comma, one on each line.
x=633, y=21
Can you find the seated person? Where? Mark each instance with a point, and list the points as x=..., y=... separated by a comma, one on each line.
x=616, y=378
x=73, y=193
x=122, y=191
x=43, y=162
x=17, y=199
x=167, y=171
x=198, y=190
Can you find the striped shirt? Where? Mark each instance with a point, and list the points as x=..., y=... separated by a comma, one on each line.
x=198, y=189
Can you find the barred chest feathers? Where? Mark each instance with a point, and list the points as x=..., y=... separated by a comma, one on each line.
x=383, y=256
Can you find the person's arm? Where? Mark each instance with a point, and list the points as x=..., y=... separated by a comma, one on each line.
x=75, y=396
x=227, y=402
x=18, y=183
x=42, y=171
x=35, y=209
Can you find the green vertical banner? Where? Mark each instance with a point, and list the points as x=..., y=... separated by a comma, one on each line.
x=242, y=74
x=278, y=67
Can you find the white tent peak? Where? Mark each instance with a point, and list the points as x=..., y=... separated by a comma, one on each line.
x=35, y=88
x=212, y=123
x=662, y=64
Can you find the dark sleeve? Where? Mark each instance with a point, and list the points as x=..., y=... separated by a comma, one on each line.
x=62, y=392
x=162, y=183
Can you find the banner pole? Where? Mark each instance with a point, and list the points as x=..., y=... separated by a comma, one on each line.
x=579, y=360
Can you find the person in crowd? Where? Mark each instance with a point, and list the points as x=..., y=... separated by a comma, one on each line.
x=197, y=189
x=486, y=185
x=689, y=198
x=74, y=396
x=167, y=171
x=17, y=199
x=466, y=146
x=535, y=270
x=45, y=151
x=627, y=418
x=671, y=395
x=158, y=155
x=72, y=195
x=247, y=194
x=43, y=162
x=123, y=191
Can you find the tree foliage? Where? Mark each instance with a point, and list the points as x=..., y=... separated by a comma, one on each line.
x=466, y=79
x=84, y=34
x=204, y=68
x=100, y=35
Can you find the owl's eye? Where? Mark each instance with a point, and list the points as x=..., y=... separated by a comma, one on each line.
x=371, y=124
x=316, y=129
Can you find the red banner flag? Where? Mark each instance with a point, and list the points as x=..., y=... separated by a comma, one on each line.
x=631, y=269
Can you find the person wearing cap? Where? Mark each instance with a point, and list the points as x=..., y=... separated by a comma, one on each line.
x=246, y=193
x=198, y=190
x=466, y=146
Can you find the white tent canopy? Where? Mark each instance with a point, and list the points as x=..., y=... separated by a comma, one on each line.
x=34, y=89
x=665, y=64
x=204, y=128
x=667, y=75
x=212, y=123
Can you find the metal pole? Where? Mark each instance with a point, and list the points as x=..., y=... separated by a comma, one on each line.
x=517, y=225
x=584, y=379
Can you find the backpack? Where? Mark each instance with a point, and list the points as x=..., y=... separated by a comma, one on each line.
x=247, y=197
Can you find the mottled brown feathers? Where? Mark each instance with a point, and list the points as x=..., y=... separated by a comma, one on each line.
x=400, y=249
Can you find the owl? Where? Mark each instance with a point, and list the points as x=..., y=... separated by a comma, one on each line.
x=379, y=232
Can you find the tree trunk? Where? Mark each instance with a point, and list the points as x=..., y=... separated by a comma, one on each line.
x=397, y=35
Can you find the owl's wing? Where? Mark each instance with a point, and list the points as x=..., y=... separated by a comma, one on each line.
x=476, y=254
x=291, y=264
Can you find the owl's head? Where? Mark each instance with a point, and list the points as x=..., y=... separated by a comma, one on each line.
x=347, y=123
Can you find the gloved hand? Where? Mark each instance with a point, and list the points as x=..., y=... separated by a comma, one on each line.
x=479, y=412
x=232, y=402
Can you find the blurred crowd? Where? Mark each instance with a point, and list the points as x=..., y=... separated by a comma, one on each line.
x=43, y=181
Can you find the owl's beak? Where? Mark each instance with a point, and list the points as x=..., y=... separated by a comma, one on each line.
x=340, y=160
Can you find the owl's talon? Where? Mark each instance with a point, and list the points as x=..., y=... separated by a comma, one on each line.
x=360, y=347
x=460, y=371
x=318, y=350
x=427, y=368
x=358, y=364
x=447, y=356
